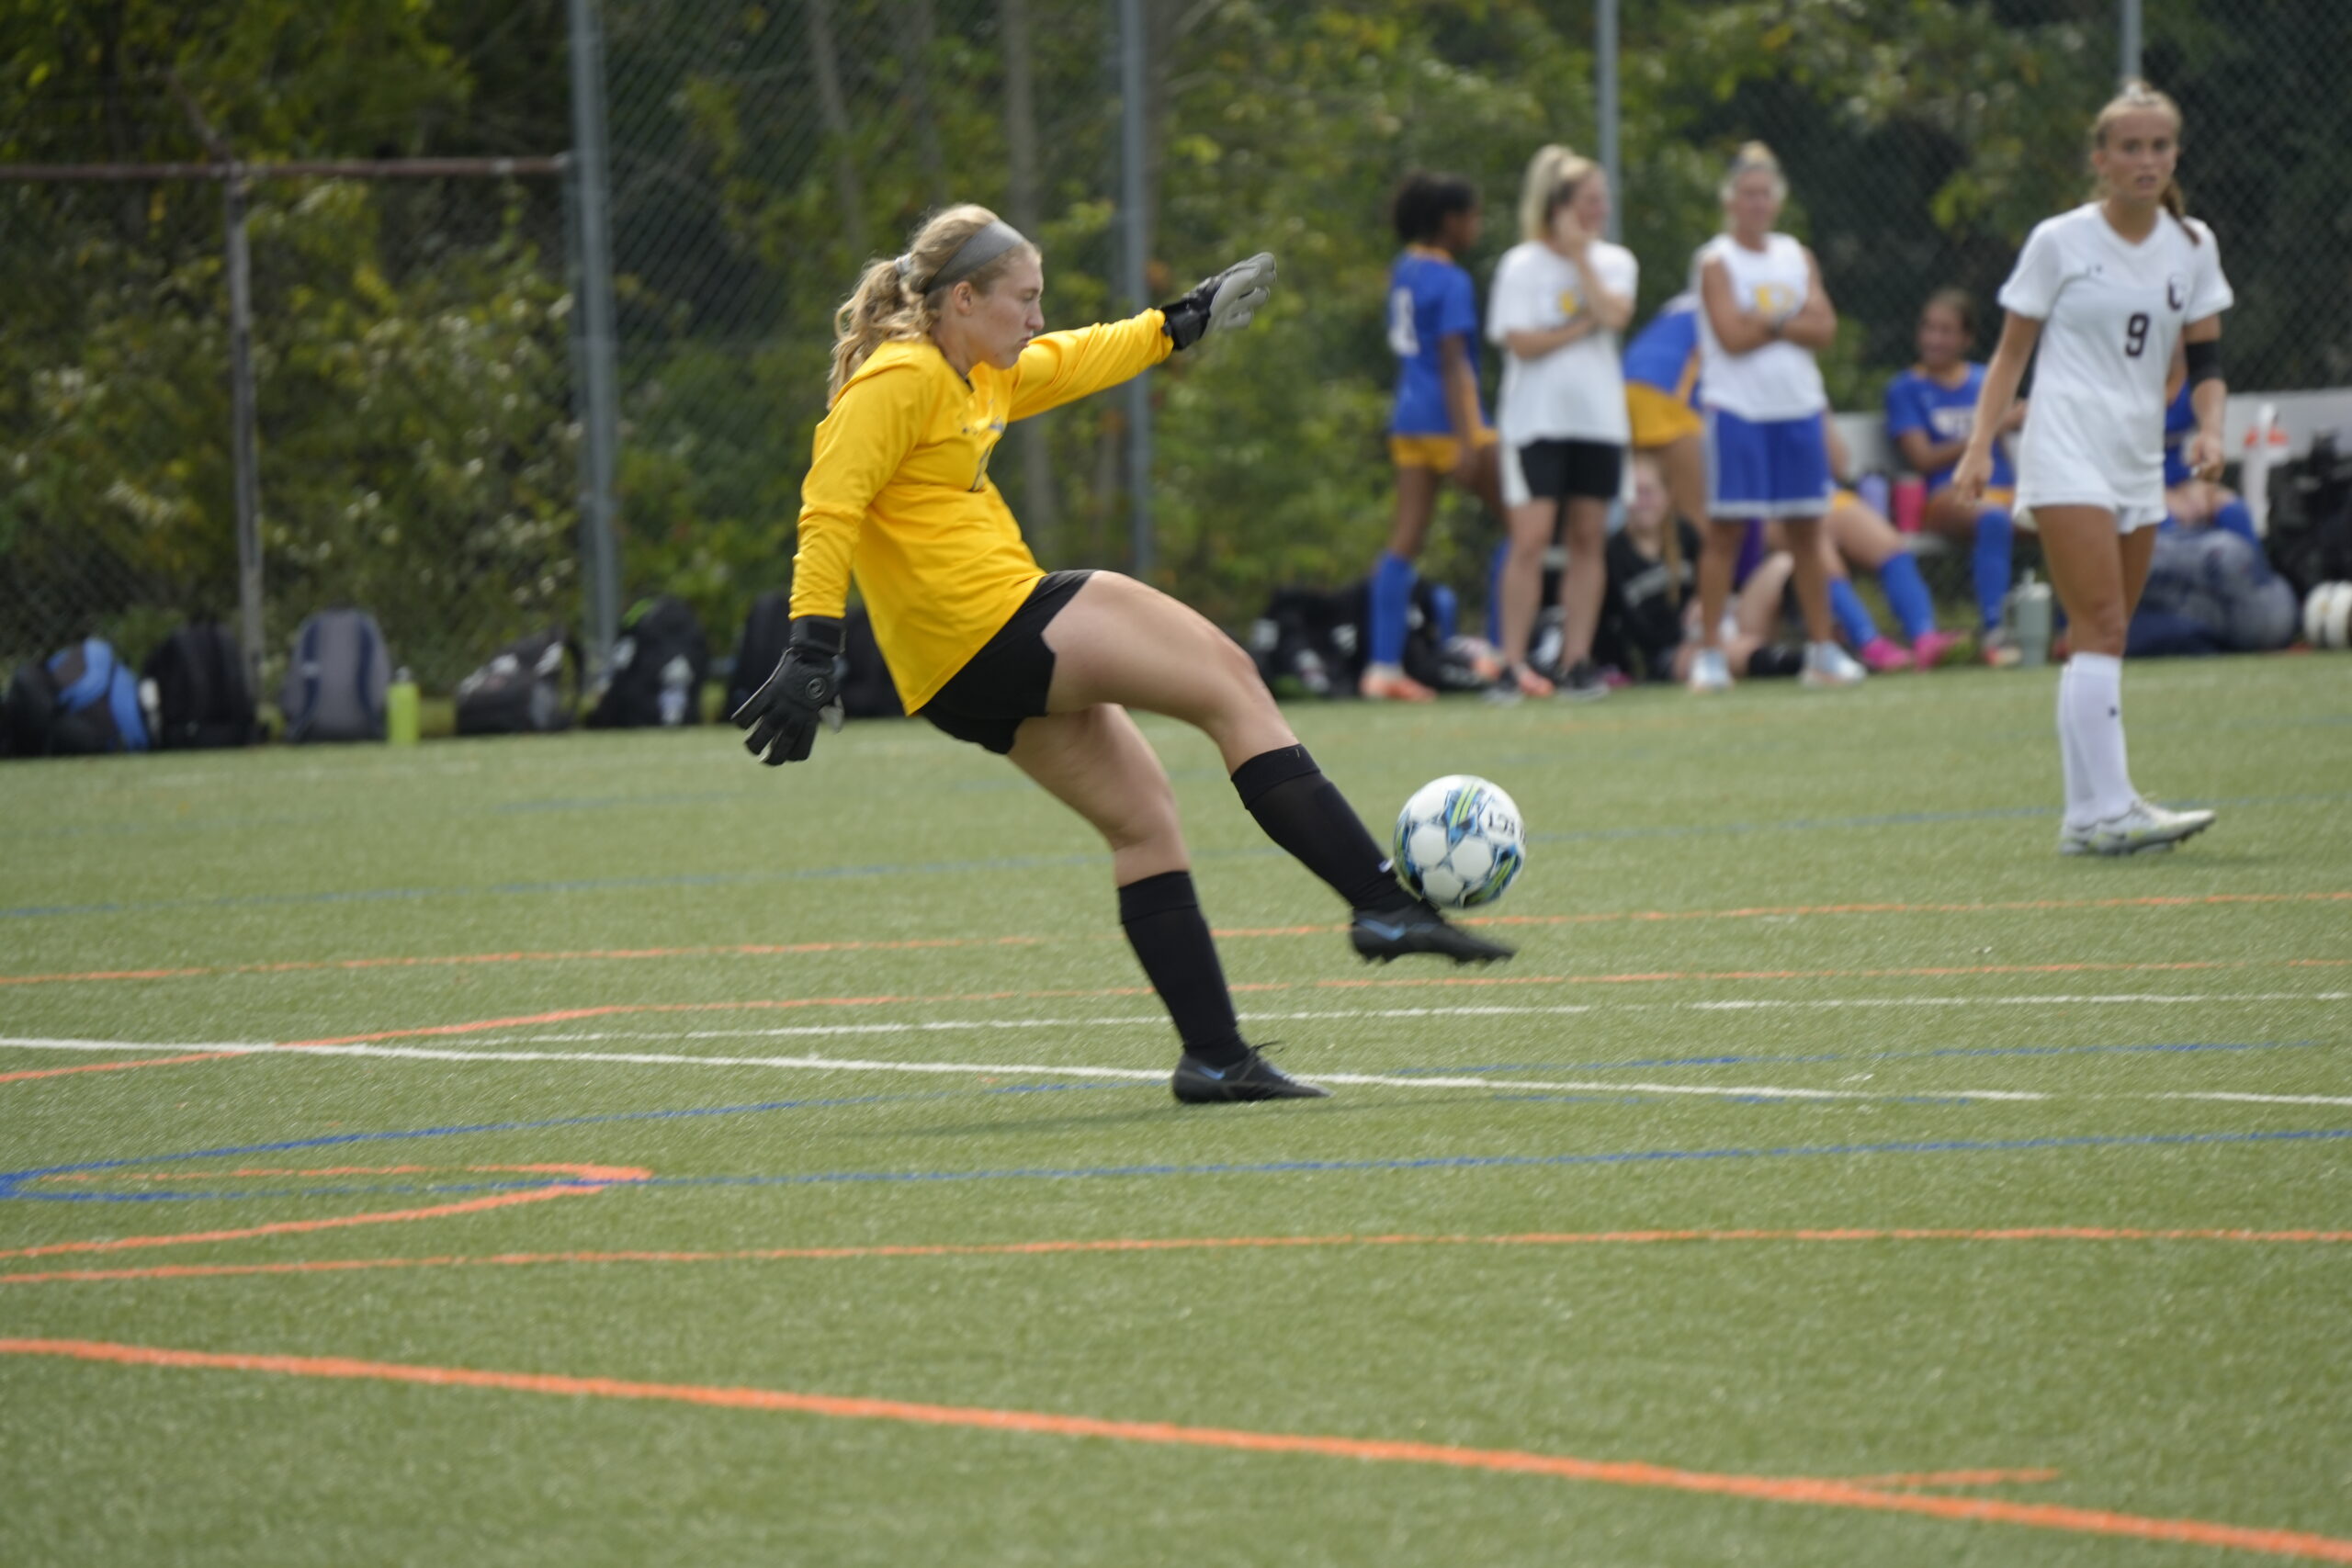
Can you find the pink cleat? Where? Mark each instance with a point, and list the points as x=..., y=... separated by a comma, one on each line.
x=1883, y=655
x=1928, y=648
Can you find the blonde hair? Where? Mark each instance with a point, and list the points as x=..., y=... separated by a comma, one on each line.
x=1551, y=167
x=1751, y=157
x=885, y=307
x=2136, y=97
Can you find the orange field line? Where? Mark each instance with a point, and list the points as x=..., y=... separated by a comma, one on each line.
x=1956, y=1478
x=1618, y=1472
x=1173, y=1244
x=288, y=1227
x=117, y=1066
x=772, y=950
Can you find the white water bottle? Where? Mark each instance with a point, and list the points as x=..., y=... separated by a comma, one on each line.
x=677, y=690
x=2030, y=621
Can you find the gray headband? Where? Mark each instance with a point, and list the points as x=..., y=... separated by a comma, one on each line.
x=982, y=247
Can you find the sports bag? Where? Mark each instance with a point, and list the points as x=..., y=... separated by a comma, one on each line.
x=28, y=711
x=96, y=703
x=199, y=694
x=530, y=686
x=761, y=647
x=335, y=687
x=658, y=665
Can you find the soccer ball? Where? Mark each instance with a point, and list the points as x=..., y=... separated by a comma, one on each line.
x=1459, y=843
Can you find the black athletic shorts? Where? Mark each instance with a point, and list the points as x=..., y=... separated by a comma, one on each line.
x=1556, y=470
x=1007, y=681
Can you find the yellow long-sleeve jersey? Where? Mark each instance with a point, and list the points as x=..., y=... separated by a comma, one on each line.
x=898, y=492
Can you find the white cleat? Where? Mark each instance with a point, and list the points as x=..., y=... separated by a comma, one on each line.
x=1710, y=671
x=2142, y=827
x=1828, y=665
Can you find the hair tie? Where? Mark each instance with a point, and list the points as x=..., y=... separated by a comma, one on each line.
x=905, y=267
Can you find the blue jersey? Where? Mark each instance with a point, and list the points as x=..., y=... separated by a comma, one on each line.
x=1915, y=401
x=1665, y=355
x=1429, y=300
x=2180, y=420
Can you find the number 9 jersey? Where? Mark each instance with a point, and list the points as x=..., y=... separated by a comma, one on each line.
x=2112, y=314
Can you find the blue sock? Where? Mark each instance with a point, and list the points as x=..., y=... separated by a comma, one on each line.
x=1852, y=619
x=1494, y=593
x=1449, y=613
x=2235, y=518
x=1906, y=595
x=1995, y=534
x=1392, y=597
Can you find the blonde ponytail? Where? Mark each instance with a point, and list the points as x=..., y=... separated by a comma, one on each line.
x=1752, y=157
x=1545, y=172
x=894, y=301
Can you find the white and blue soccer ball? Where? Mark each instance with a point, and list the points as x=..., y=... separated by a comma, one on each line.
x=1459, y=843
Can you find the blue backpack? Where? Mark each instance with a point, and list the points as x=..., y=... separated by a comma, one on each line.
x=80, y=702
x=334, y=687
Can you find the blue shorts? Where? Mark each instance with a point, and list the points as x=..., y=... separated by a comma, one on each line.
x=1772, y=467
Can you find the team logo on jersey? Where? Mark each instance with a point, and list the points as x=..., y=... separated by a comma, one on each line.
x=1570, y=304
x=1772, y=299
x=2177, y=291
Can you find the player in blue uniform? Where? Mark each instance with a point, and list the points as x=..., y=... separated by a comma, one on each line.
x=2191, y=502
x=1930, y=409
x=1437, y=431
x=1661, y=400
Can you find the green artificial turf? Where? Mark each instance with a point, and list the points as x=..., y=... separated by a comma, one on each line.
x=1851, y=893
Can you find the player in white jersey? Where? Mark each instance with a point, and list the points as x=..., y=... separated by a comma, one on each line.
x=2107, y=291
x=1762, y=315
x=1560, y=297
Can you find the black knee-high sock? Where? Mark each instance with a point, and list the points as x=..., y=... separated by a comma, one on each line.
x=1306, y=814
x=1163, y=922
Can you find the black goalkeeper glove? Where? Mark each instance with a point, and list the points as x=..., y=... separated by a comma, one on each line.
x=782, y=714
x=1221, y=304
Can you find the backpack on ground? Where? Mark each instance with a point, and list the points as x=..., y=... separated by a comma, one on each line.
x=658, y=665
x=199, y=696
x=867, y=691
x=2310, y=517
x=335, y=687
x=759, y=650
x=79, y=702
x=529, y=687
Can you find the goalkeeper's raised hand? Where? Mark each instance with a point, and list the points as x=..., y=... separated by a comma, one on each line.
x=783, y=714
x=1221, y=304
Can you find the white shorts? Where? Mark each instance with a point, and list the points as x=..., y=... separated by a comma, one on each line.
x=2073, y=457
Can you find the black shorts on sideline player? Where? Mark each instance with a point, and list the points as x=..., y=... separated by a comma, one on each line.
x=1007, y=681
x=1559, y=470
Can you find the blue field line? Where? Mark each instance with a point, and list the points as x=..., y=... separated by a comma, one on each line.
x=1032, y=863
x=1651, y=1064
x=1489, y=1162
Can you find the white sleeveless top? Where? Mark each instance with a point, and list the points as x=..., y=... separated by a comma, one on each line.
x=1778, y=380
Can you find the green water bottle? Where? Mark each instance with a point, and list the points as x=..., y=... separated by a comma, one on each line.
x=400, y=709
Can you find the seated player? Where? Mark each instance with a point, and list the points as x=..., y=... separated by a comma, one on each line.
x=1437, y=432
x=1854, y=533
x=1649, y=615
x=2191, y=502
x=1929, y=410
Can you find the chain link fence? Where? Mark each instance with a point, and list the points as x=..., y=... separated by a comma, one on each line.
x=419, y=449
x=413, y=367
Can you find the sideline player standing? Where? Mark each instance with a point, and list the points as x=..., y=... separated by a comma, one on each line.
x=1437, y=430
x=1762, y=315
x=1560, y=297
x=2107, y=290
x=934, y=353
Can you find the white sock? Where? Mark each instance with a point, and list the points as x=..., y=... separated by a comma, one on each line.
x=2069, y=757
x=2090, y=716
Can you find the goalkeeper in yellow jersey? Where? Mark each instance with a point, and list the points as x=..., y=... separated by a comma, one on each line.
x=935, y=351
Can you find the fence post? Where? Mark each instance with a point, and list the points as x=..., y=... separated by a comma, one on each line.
x=1604, y=100
x=600, y=423
x=2128, y=32
x=245, y=456
x=1131, y=268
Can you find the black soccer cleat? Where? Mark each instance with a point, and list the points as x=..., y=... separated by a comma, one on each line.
x=1384, y=934
x=1252, y=1077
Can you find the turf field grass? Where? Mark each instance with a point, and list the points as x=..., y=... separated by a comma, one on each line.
x=1838, y=1175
